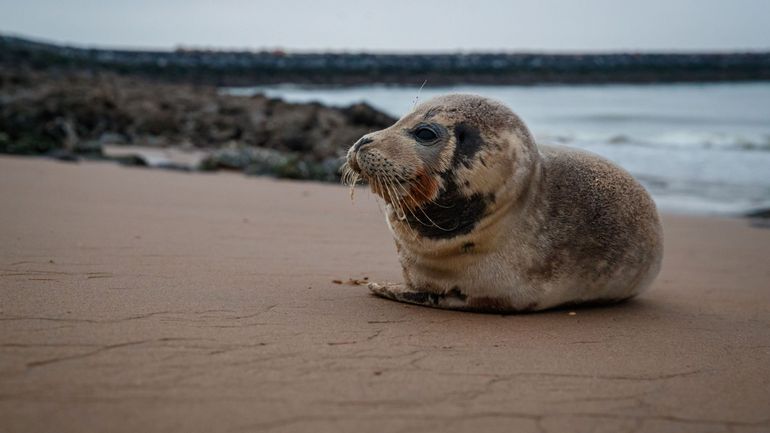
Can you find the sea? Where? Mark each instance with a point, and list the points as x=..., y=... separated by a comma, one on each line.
x=698, y=148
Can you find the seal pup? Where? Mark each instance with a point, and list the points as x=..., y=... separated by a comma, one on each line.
x=485, y=220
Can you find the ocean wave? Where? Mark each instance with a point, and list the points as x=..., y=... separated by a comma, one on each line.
x=667, y=140
x=668, y=119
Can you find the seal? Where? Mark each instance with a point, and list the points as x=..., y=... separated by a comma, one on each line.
x=485, y=220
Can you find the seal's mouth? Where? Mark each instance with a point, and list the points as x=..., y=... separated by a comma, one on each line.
x=412, y=200
x=352, y=163
x=405, y=191
x=351, y=170
x=389, y=187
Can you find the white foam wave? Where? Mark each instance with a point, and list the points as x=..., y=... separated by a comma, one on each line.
x=667, y=140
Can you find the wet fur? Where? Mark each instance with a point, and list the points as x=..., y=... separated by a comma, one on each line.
x=484, y=220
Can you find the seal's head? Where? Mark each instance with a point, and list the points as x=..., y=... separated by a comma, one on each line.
x=443, y=167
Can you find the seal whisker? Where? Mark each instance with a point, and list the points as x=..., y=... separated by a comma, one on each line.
x=411, y=212
x=346, y=172
x=390, y=198
x=427, y=200
x=417, y=98
x=421, y=192
x=398, y=205
x=350, y=178
x=353, y=180
x=394, y=199
x=432, y=223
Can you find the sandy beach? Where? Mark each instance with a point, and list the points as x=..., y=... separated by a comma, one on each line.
x=136, y=300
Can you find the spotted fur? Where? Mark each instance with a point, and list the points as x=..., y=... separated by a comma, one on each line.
x=485, y=220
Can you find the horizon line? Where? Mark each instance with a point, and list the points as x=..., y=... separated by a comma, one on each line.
x=356, y=51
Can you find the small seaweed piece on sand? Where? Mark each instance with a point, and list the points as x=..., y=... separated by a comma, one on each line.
x=353, y=281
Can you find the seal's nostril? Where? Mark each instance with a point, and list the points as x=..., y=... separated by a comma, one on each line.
x=361, y=142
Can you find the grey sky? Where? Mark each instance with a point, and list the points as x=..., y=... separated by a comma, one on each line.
x=544, y=25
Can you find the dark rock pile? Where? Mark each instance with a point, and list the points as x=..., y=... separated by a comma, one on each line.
x=76, y=115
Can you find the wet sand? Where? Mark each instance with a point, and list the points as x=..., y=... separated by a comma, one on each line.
x=140, y=300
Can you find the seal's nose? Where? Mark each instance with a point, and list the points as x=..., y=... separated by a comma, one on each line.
x=361, y=142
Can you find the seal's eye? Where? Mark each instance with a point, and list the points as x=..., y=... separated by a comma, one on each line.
x=425, y=134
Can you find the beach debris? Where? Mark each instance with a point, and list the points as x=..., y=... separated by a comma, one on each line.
x=572, y=313
x=340, y=343
x=353, y=281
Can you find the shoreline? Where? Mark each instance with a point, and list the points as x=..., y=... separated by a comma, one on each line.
x=188, y=161
x=182, y=127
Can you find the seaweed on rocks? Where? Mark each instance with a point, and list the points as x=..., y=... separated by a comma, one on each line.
x=78, y=114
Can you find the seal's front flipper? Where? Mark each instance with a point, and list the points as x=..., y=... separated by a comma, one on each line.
x=453, y=299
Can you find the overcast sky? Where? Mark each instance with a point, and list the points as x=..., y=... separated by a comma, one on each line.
x=442, y=25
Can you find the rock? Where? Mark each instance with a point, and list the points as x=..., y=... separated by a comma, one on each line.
x=169, y=157
x=112, y=138
x=63, y=155
x=763, y=213
x=84, y=112
x=366, y=115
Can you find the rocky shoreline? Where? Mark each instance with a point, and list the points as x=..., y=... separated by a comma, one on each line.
x=136, y=121
x=141, y=122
